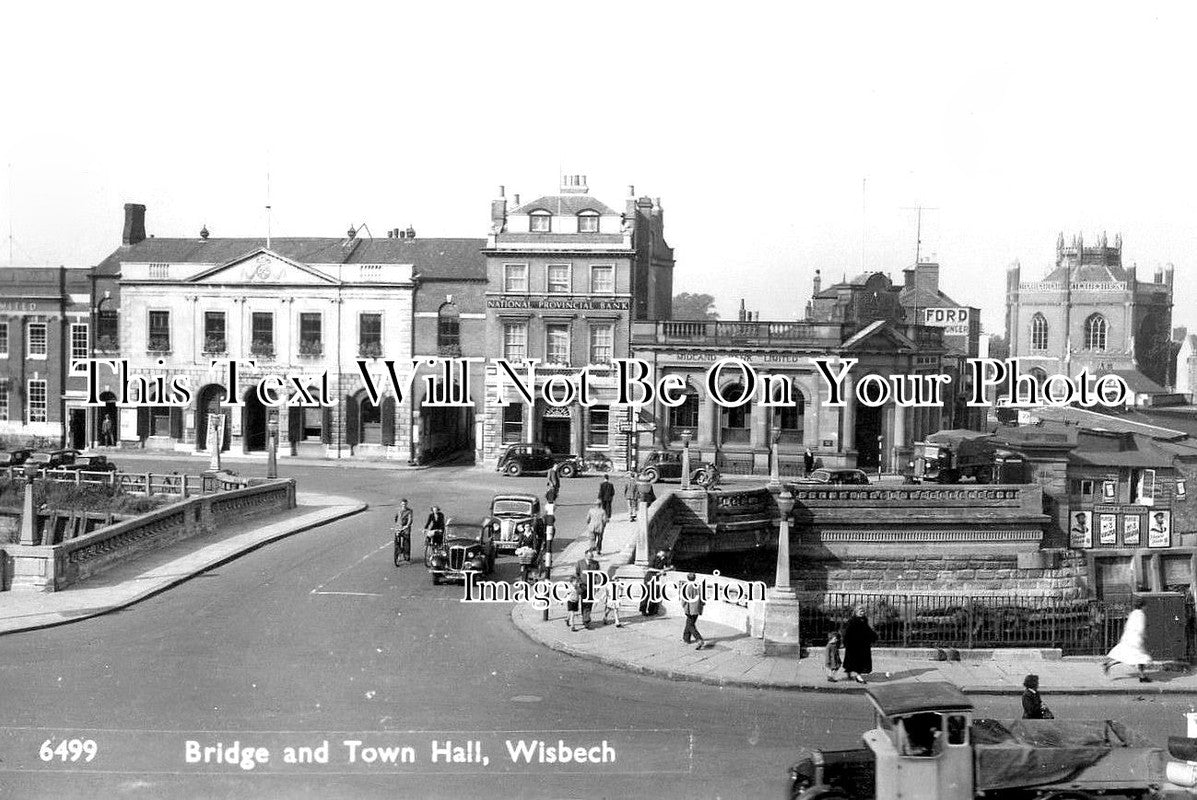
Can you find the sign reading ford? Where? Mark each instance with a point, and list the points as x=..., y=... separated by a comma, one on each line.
x=954, y=321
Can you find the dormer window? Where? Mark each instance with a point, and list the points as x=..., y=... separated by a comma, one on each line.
x=588, y=222
x=540, y=222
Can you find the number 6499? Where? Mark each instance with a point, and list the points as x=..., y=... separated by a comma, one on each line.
x=68, y=750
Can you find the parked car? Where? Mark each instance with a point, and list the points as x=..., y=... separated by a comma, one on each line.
x=838, y=477
x=520, y=458
x=13, y=458
x=517, y=516
x=469, y=546
x=661, y=465
x=43, y=460
x=90, y=463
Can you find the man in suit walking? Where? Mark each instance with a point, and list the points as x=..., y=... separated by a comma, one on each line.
x=606, y=494
x=692, y=607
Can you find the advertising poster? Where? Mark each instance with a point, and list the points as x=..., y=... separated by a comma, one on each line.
x=1130, y=528
x=1159, y=529
x=1109, y=528
x=1080, y=532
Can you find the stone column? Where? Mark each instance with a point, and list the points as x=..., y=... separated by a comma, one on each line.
x=708, y=414
x=29, y=534
x=899, y=437
x=782, y=627
x=849, y=414
x=643, y=558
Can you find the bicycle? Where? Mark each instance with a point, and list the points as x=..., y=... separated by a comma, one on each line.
x=402, y=544
x=432, y=543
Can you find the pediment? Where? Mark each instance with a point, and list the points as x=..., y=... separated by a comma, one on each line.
x=264, y=267
x=881, y=336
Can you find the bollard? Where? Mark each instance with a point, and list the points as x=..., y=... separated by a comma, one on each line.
x=1192, y=720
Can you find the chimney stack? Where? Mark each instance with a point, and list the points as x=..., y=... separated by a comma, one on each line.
x=908, y=275
x=134, y=224
x=818, y=281
x=926, y=276
x=498, y=210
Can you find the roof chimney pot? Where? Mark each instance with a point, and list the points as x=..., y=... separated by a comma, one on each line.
x=134, y=224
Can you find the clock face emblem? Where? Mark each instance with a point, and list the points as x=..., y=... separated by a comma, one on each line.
x=263, y=269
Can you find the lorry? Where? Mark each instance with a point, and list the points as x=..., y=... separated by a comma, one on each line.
x=950, y=455
x=925, y=744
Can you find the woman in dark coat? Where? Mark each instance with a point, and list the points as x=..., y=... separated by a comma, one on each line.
x=858, y=646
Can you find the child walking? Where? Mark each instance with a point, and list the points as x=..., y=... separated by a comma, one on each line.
x=833, y=655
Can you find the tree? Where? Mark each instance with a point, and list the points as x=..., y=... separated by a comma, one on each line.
x=694, y=306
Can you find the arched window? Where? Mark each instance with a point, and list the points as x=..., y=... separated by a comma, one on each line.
x=1095, y=332
x=540, y=222
x=448, y=331
x=789, y=420
x=1038, y=332
x=735, y=422
x=588, y=222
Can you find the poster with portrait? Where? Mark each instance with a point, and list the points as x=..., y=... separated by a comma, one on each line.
x=1130, y=528
x=1080, y=529
x=1108, y=527
x=1159, y=529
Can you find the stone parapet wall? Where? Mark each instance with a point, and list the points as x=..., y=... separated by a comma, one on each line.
x=946, y=574
x=55, y=567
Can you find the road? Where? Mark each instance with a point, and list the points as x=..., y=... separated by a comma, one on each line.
x=319, y=637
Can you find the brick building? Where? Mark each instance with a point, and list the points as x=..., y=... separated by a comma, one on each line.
x=295, y=306
x=1091, y=312
x=44, y=323
x=567, y=275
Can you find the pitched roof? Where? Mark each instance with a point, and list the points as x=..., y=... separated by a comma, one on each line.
x=562, y=204
x=883, y=328
x=459, y=259
x=1138, y=382
x=1140, y=452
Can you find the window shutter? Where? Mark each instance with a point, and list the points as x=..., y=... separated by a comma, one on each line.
x=351, y=415
x=176, y=423
x=388, y=421
x=326, y=426
x=143, y=422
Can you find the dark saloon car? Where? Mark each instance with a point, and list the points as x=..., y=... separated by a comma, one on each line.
x=520, y=458
x=661, y=465
x=516, y=518
x=13, y=458
x=90, y=463
x=469, y=546
x=43, y=460
x=838, y=477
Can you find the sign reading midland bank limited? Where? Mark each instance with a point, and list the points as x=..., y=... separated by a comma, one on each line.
x=562, y=303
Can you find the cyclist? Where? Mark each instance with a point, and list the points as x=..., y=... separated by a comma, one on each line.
x=434, y=530
x=403, y=522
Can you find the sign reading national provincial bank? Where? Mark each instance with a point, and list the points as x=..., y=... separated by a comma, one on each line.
x=562, y=303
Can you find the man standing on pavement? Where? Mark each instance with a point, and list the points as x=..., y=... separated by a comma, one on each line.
x=554, y=484
x=692, y=606
x=606, y=494
x=596, y=522
x=631, y=495
x=808, y=462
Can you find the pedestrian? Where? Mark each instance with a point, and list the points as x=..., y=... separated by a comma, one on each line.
x=1131, y=648
x=858, y=646
x=596, y=523
x=808, y=462
x=610, y=602
x=631, y=495
x=586, y=597
x=571, y=601
x=1033, y=706
x=606, y=493
x=586, y=563
x=649, y=496
x=106, y=437
x=692, y=607
x=550, y=500
x=832, y=659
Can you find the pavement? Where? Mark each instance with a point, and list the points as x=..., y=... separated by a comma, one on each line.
x=159, y=570
x=731, y=658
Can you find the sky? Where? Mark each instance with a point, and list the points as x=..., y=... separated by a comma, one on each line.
x=781, y=138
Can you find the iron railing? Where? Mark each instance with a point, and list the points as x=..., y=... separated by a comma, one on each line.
x=1077, y=627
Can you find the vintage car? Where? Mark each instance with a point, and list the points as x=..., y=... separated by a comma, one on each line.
x=926, y=744
x=837, y=477
x=90, y=463
x=13, y=458
x=468, y=546
x=518, y=517
x=43, y=460
x=520, y=458
x=594, y=462
x=667, y=465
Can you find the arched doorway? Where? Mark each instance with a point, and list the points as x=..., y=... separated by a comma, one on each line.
x=445, y=430
x=367, y=423
x=208, y=403
x=108, y=424
x=735, y=422
x=253, y=423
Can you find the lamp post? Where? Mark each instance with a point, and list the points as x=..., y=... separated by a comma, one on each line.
x=686, y=436
x=781, y=581
x=775, y=467
x=272, y=444
x=782, y=622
